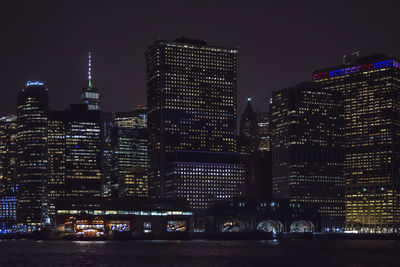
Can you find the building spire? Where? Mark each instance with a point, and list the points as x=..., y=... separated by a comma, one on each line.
x=90, y=70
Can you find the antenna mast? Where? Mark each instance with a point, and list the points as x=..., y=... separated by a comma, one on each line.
x=90, y=70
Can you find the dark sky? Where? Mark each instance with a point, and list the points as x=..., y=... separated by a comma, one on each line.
x=280, y=42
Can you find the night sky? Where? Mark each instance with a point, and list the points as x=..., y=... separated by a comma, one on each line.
x=280, y=42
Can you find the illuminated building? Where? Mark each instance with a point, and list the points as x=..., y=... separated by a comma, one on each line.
x=371, y=103
x=109, y=183
x=8, y=153
x=134, y=183
x=136, y=215
x=8, y=211
x=8, y=165
x=74, y=145
x=263, y=131
x=90, y=95
x=85, y=226
x=191, y=101
x=32, y=106
x=131, y=155
x=307, y=153
x=203, y=177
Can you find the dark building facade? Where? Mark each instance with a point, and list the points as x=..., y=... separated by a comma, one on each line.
x=371, y=112
x=248, y=131
x=32, y=109
x=74, y=151
x=191, y=101
x=257, y=161
x=307, y=153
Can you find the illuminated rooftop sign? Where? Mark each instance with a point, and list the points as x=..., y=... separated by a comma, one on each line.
x=29, y=83
x=356, y=69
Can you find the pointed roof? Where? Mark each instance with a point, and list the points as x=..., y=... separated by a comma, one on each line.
x=249, y=111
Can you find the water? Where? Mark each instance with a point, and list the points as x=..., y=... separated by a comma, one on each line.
x=201, y=253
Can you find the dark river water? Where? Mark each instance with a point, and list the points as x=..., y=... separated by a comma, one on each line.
x=200, y=253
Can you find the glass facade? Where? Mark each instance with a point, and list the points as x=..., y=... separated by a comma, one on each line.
x=74, y=153
x=371, y=104
x=307, y=152
x=32, y=108
x=131, y=152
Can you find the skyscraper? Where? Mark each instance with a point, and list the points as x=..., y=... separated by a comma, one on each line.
x=131, y=152
x=32, y=107
x=8, y=165
x=74, y=141
x=248, y=132
x=109, y=183
x=371, y=112
x=191, y=101
x=264, y=133
x=90, y=95
x=258, y=165
x=8, y=153
x=263, y=160
x=307, y=152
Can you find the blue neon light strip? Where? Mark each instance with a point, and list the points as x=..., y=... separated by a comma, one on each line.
x=360, y=68
x=33, y=83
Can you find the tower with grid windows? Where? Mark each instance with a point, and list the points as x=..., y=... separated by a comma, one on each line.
x=191, y=101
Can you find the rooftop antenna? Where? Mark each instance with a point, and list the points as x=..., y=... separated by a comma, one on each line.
x=90, y=70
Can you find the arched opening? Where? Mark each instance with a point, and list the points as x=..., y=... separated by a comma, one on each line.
x=301, y=226
x=270, y=226
x=233, y=226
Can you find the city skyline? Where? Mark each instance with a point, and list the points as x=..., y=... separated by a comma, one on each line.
x=221, y=133
x=274, y=41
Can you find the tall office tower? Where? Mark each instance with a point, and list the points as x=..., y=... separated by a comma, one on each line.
x=32, y=106
x=248, y=146
x=90, y=95
x=108, y=155
x=131, y=152
x=8, y=153
x=191, y=101
x=264, y=133
x=8, y=165
x=248, y=132
x=307, y=153
x=74, y=141
x=263, y=161
x=371, y=102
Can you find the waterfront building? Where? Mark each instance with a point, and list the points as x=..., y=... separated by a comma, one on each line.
x=371, y=112
x=191, y=101
x=31, y=139
x=139, y=216
x=307, y=153
x=74, y=145
x=8, y=165
x=8, y=153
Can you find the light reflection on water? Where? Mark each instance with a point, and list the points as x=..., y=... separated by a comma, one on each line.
x=200, y=253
